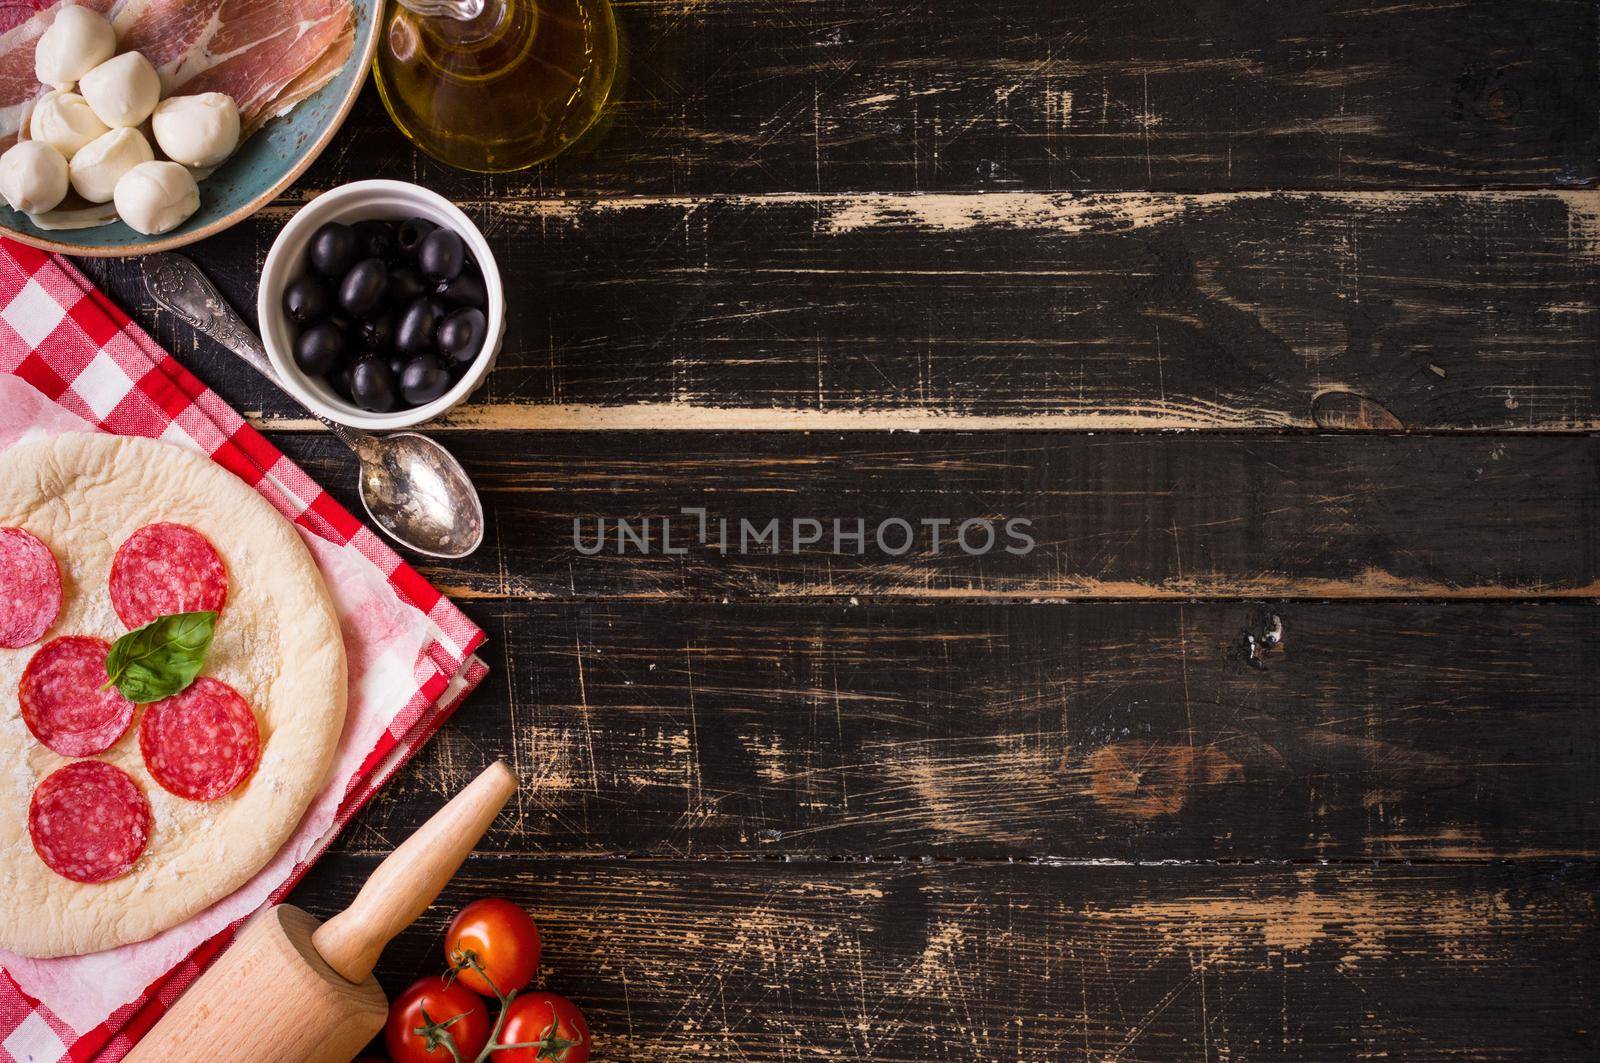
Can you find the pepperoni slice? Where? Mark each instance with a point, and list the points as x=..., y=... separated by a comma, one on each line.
x=88, y=821
x=202, y=742
x=62, y=701
x=163, y=569
x=30, y=588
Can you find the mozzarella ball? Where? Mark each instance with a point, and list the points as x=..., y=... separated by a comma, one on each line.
x=156, y=196
x=33, y=177
x=100, y=164
x=77, y=41
x=64, y=121
x=123, y=90
x=197, y=130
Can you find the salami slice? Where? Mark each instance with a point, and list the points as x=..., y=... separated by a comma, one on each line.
x=30, y=588
x=200, y=743
x=88, y=821
x=62, y=701
x=163, y=569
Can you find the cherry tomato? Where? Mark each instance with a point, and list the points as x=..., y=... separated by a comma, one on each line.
x=551, y=1026
x=452, y=1011
x=500, y=939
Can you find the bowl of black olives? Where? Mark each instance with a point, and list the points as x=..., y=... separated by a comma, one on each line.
x=380, y=305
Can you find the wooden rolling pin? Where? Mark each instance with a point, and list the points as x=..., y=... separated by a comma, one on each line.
x=290, y=991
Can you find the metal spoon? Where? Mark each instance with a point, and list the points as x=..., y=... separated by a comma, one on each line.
x=411, y=487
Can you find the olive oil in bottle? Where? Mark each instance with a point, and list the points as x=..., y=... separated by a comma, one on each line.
x=494, y=85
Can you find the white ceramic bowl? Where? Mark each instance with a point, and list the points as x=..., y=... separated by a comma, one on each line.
x=357, y=201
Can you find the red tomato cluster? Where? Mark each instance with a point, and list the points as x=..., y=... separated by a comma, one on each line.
x=492, y=949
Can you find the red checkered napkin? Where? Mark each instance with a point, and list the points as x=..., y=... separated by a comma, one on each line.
x=83, y=355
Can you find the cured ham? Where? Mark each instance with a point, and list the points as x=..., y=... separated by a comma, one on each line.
x=257, y=51
x=267, y=54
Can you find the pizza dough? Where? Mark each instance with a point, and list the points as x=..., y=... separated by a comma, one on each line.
x=278, y=647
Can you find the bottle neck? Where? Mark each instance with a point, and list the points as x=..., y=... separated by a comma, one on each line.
x=460, y=10
x=466, y=23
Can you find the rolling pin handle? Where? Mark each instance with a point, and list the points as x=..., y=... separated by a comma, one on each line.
x=405, y=884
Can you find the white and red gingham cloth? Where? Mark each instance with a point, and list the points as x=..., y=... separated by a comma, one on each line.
x=87, y=366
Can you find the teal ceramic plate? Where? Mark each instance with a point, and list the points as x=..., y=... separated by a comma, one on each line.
x=262, y=167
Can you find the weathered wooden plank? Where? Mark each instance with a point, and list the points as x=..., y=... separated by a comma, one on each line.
x=913, y=963
x=1090, y=731
x=1129, y=515
x=837, y=95
x=1361, y=311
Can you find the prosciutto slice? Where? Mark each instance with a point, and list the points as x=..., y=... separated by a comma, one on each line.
x=267, y=54
x=254, y=50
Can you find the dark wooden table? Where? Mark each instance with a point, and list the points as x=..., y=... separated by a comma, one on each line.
x=1265, y=314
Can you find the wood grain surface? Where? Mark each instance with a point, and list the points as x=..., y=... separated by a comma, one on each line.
x=1123, y=515
x=916, y=95
x=1282, y=741
x=1122, y=731
x=1391, y=310
x=911, y=962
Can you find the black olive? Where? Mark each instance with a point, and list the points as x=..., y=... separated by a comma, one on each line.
x=372, y=385
x=412, y=230
x=319, y=348
x=342, y=321
x=333, y=249
x=441, y=255
x=414, y=333
x=339, y=380
x=377, y=333
x=363, y=288
x=460, y=336
x=397, y=362
x=406, y=284
x=424, y=379
x=465, y=289
x=375, y=239
x=305, y=300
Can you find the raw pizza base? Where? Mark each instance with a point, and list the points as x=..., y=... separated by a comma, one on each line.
x=277, y=642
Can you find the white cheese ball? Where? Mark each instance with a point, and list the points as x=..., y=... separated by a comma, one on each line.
x=33, y=177
x=123, y=90
x=156, y=196
x=77, y=41
x=100, y=164
x=197, y=130
x=64, y=121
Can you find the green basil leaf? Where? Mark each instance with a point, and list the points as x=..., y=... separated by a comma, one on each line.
x=162, y=657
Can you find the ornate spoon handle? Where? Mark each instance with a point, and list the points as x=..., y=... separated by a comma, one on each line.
x=177, y=284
